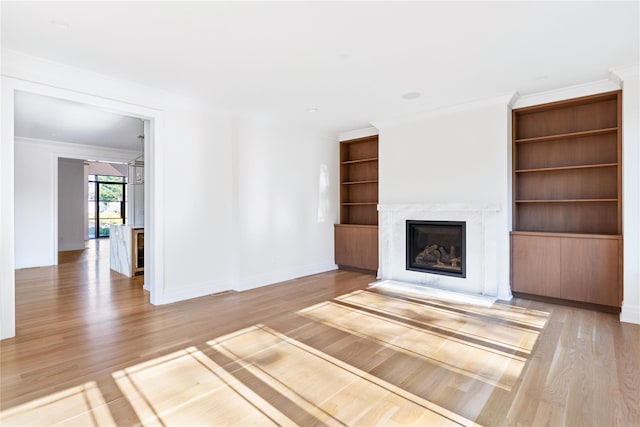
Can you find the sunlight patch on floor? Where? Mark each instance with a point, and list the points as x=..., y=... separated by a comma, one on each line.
x=525, y=316
x=83, y=405
x=333, y=392
x=487, y=364
x=511, y=335
x=187, y=388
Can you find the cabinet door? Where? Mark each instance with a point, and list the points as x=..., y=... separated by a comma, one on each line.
x=535, y=263
x=590, y=270
x=356, y=246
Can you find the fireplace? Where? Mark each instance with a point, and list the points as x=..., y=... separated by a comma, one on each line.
x=436, y=247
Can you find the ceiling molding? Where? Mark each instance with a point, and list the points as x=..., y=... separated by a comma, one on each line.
x=57, y=75
x=514, y=99
x=75, y=150
x=505, y=99
x=576, y=91
x=620, y=74
x=359, y=133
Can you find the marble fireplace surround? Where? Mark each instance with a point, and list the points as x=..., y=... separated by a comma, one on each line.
x=481, y=253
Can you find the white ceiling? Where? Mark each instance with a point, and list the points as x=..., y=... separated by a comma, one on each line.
x=42, y=117
x=352, y=61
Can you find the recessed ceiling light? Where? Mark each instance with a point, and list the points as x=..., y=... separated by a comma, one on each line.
x=312, y=110
x=63, y=25
x=411, y=95
x=541, y=78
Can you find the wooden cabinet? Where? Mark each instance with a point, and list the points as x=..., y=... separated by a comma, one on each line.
x=583, y=268
x=567, y=181
x=536, y=264
x=356, y=237
x=591, y=269
x=356, y=246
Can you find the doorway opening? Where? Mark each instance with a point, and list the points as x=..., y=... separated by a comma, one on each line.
x=107, y=204
x=41, y=223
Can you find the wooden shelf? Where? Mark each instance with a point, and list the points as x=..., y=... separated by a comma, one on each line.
x=356, y=226
x=351, y=162
x=560, y=168
x=370, y=181
x=569, y=135
x=566, y=200
x=372, y=139
x=566, y=241
x=578, y=177
x=356, y=237
x=359, y=204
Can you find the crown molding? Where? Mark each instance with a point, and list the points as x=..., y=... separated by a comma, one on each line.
x=514, y=98
x=559, y=94
x=504, y=99
x=620, y=74
x=359, y=133
x=112, y=154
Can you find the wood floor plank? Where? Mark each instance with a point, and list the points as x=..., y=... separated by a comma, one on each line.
x=319, y=350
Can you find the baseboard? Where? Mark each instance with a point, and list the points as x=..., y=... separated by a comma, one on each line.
x=630, y=313
x=567, y=302
x=358, y=270
x=208, y=288
x=72, y=247
x=256, y=281
x=181, y=294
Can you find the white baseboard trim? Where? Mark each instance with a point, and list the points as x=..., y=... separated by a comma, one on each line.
x=630, y=313
x=180, y=294
x=196, y=291
x=256, y=281
x=72, y=247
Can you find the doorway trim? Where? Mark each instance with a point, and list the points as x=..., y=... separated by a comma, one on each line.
x=154, y=217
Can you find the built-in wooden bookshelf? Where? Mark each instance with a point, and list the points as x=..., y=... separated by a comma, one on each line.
x=567, y=200
x=356, y=237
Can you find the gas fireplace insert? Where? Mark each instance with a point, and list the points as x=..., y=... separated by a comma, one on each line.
x=436, y=247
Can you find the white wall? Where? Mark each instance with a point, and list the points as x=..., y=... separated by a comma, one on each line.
x=34, y=219
x=631, y=193
x=196, y=180
x=286, y=201
x=36, y=207
x=456, y=159
x=198, y=209
x=71, y=204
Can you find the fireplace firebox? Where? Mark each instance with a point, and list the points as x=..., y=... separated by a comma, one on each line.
x=436, y=247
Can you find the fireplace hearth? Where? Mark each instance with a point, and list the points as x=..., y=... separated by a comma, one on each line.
x=436, y=247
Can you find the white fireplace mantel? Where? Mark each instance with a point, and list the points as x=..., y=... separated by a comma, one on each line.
x=481, y=246
x=437, y=207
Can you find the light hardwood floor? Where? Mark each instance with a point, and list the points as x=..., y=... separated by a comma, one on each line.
x=320, y=350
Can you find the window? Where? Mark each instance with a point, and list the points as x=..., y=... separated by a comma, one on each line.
x=107, y=203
